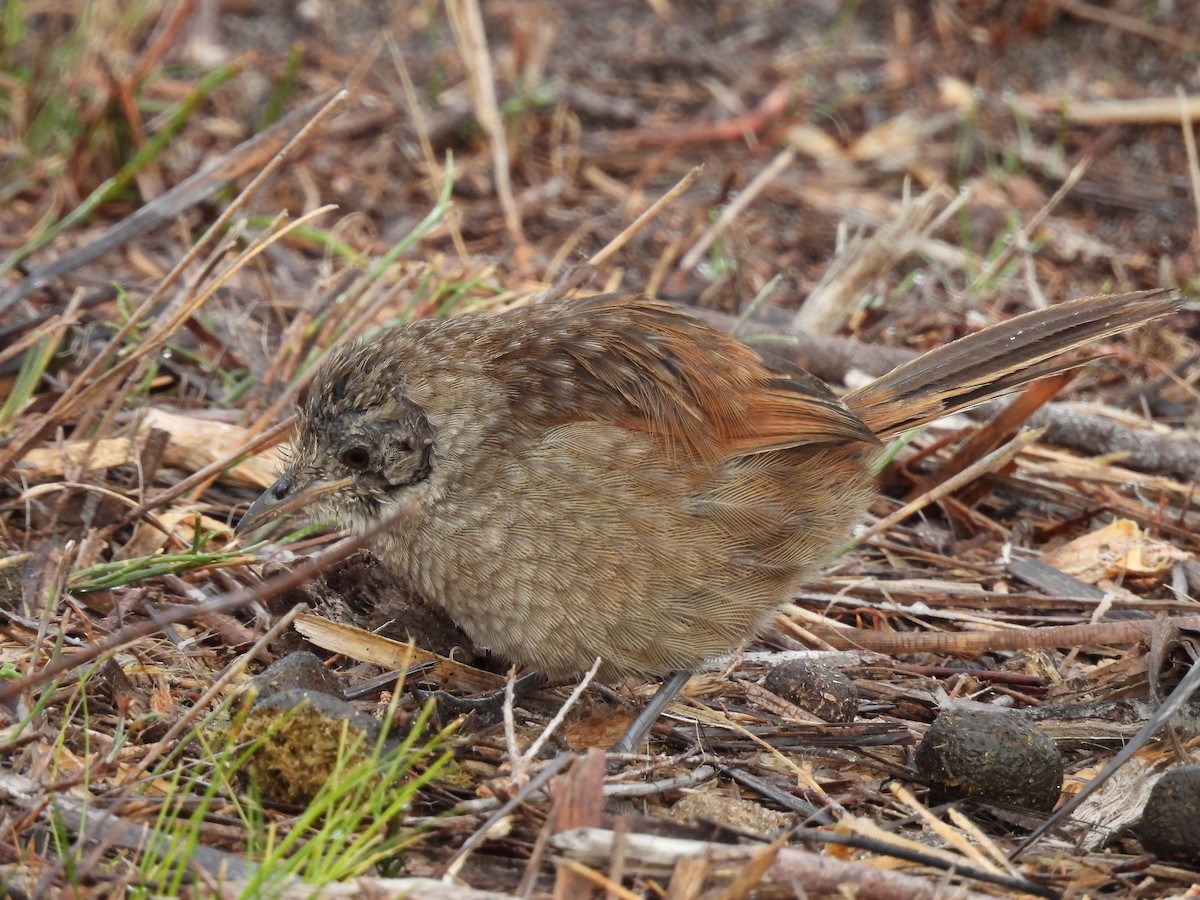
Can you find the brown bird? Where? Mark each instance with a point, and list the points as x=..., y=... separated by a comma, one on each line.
x=611, y=477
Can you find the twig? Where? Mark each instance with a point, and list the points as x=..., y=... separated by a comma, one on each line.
x=772, y=106
x=176, y=613
x=1021, y=240
x=772, y=171
x=863, y=260
x=1131, y=24
x=467, y=24
x=1186, y=118
x=648, y=789
x=570, y=702
x=947, y=834
x=551, y=768
x=608, y=251
x=997, y=639
x=819, y=873
x=610, y=888
x=982, y=466
x=1103, y=113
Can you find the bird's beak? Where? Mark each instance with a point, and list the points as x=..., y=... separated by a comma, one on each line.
x=284, y=496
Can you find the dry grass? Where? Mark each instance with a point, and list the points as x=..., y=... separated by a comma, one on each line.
x=170, y=281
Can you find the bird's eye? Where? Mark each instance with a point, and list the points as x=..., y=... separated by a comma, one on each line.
x=356, y=457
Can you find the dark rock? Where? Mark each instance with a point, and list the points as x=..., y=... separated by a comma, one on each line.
x=296, y=671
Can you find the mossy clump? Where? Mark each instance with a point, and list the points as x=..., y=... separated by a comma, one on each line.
x=305, y=738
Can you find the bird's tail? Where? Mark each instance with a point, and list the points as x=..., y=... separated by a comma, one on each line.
x=999, y=359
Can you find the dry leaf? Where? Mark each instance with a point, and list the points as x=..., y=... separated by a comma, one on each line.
x=44, y=463
x=596, y=730
x=365, y=646
x=194, y=444
x=1118, y=549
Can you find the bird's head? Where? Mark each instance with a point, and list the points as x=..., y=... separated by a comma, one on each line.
x=374, y=427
